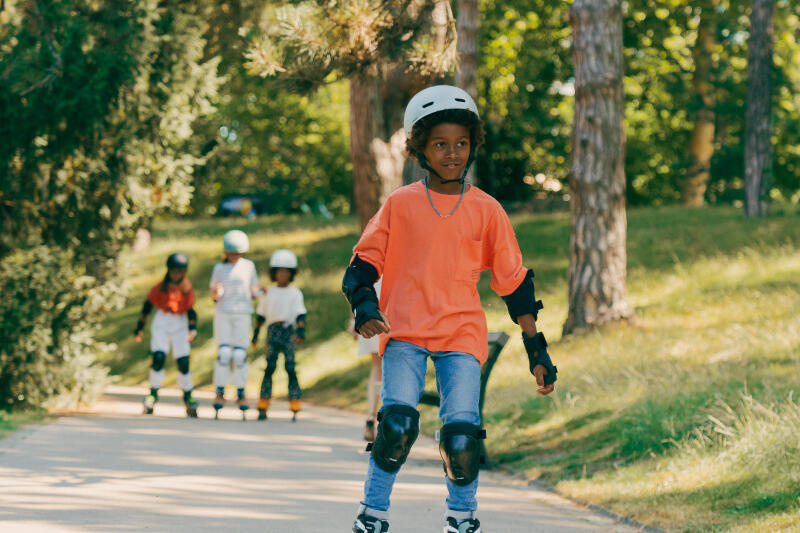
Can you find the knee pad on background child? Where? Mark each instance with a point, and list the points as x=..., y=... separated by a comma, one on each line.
x=184, y=375
x=239, y=367
x=159, y=358
x=221, y=369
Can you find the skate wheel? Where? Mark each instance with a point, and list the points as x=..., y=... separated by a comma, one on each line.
x=294, y=416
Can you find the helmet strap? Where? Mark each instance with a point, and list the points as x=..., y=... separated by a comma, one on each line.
x=423, y=162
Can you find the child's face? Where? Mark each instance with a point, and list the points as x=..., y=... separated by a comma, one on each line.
x=282, y=276
x=176, y=274
x=232, y=257
x=447, y=150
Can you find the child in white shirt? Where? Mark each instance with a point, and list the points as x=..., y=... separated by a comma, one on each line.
x=284, y=312
x=234, y=284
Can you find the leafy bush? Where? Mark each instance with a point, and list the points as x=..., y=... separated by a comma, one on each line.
x=50, y=309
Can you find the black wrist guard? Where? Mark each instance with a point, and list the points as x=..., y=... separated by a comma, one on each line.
x=256, y=331
x=139, y=327
x=357, y=287
x=301, y=333
x=365, y=306
x=192, y=315
x=536, y=347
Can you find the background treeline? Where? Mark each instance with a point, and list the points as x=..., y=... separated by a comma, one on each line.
x=686, y=67
x=114, y=112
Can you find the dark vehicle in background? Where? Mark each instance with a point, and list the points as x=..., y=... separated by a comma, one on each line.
x=242, y=205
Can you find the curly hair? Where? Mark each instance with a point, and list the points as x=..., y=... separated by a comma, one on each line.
x=415, y=144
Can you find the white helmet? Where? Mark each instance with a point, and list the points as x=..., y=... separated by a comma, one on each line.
x=437, y=98
x=236, y=241
x=283, y=259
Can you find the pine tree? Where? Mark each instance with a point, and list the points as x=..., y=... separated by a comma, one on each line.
x=388, y=50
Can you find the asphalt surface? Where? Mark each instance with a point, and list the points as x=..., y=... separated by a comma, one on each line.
x=114, y=469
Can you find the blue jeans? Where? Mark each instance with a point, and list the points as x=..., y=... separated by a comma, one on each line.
x=458, y=378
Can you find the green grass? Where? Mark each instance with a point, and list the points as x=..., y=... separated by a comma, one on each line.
x=684, y=418
x=11, y=422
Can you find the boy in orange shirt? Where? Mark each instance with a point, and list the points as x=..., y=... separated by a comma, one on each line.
x=175, y=324
x=430, y=241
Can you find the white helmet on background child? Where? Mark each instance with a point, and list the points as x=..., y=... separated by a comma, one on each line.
x=283, y=259
x=437, y=98
x=236, y=241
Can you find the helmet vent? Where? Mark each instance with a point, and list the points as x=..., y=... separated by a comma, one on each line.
x=427, y=105
x=460, y=100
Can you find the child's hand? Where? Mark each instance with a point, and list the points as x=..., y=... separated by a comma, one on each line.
x=297, y=340
x=216, y=292
x=373, y=327
x=139, y=336
x=539, y=372
x=539, y=363
x=191, y=335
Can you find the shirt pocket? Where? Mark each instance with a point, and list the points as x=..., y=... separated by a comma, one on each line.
x=469, y=260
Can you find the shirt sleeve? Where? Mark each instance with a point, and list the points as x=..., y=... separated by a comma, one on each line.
x=261, y=308
x=190, y=300
x=372, y=245
x=300, y=307
x=152, y=294
x=254, y=278
x=214, y=277
x=502, y=254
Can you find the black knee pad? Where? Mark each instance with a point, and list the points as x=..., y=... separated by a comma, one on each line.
x=158, y=360
x=398, y=428
x=460, y=448
x=183, y=364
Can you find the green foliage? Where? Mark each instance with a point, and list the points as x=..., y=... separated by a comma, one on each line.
x=286, y=148
x=301, y=44
x=97, y=102
x=50, y=308
x=525, y=91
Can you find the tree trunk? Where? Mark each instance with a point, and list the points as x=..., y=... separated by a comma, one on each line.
x=467, y=26
x=377, y=156
x=701, y=145
x=598, y=257
x=758, y=144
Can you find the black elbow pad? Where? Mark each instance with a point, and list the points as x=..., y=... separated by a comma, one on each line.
x=523, y=300
x=359, y=274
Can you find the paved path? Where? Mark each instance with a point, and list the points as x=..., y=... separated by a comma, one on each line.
x=115, y=470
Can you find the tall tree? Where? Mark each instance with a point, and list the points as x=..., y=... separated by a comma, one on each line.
x=701, y=143
x=385, y=48
x=598, y=257
x=758, y=142
x=467, y=25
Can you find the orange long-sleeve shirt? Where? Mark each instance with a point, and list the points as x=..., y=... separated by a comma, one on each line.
x=176, y=300
x=431, y=265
